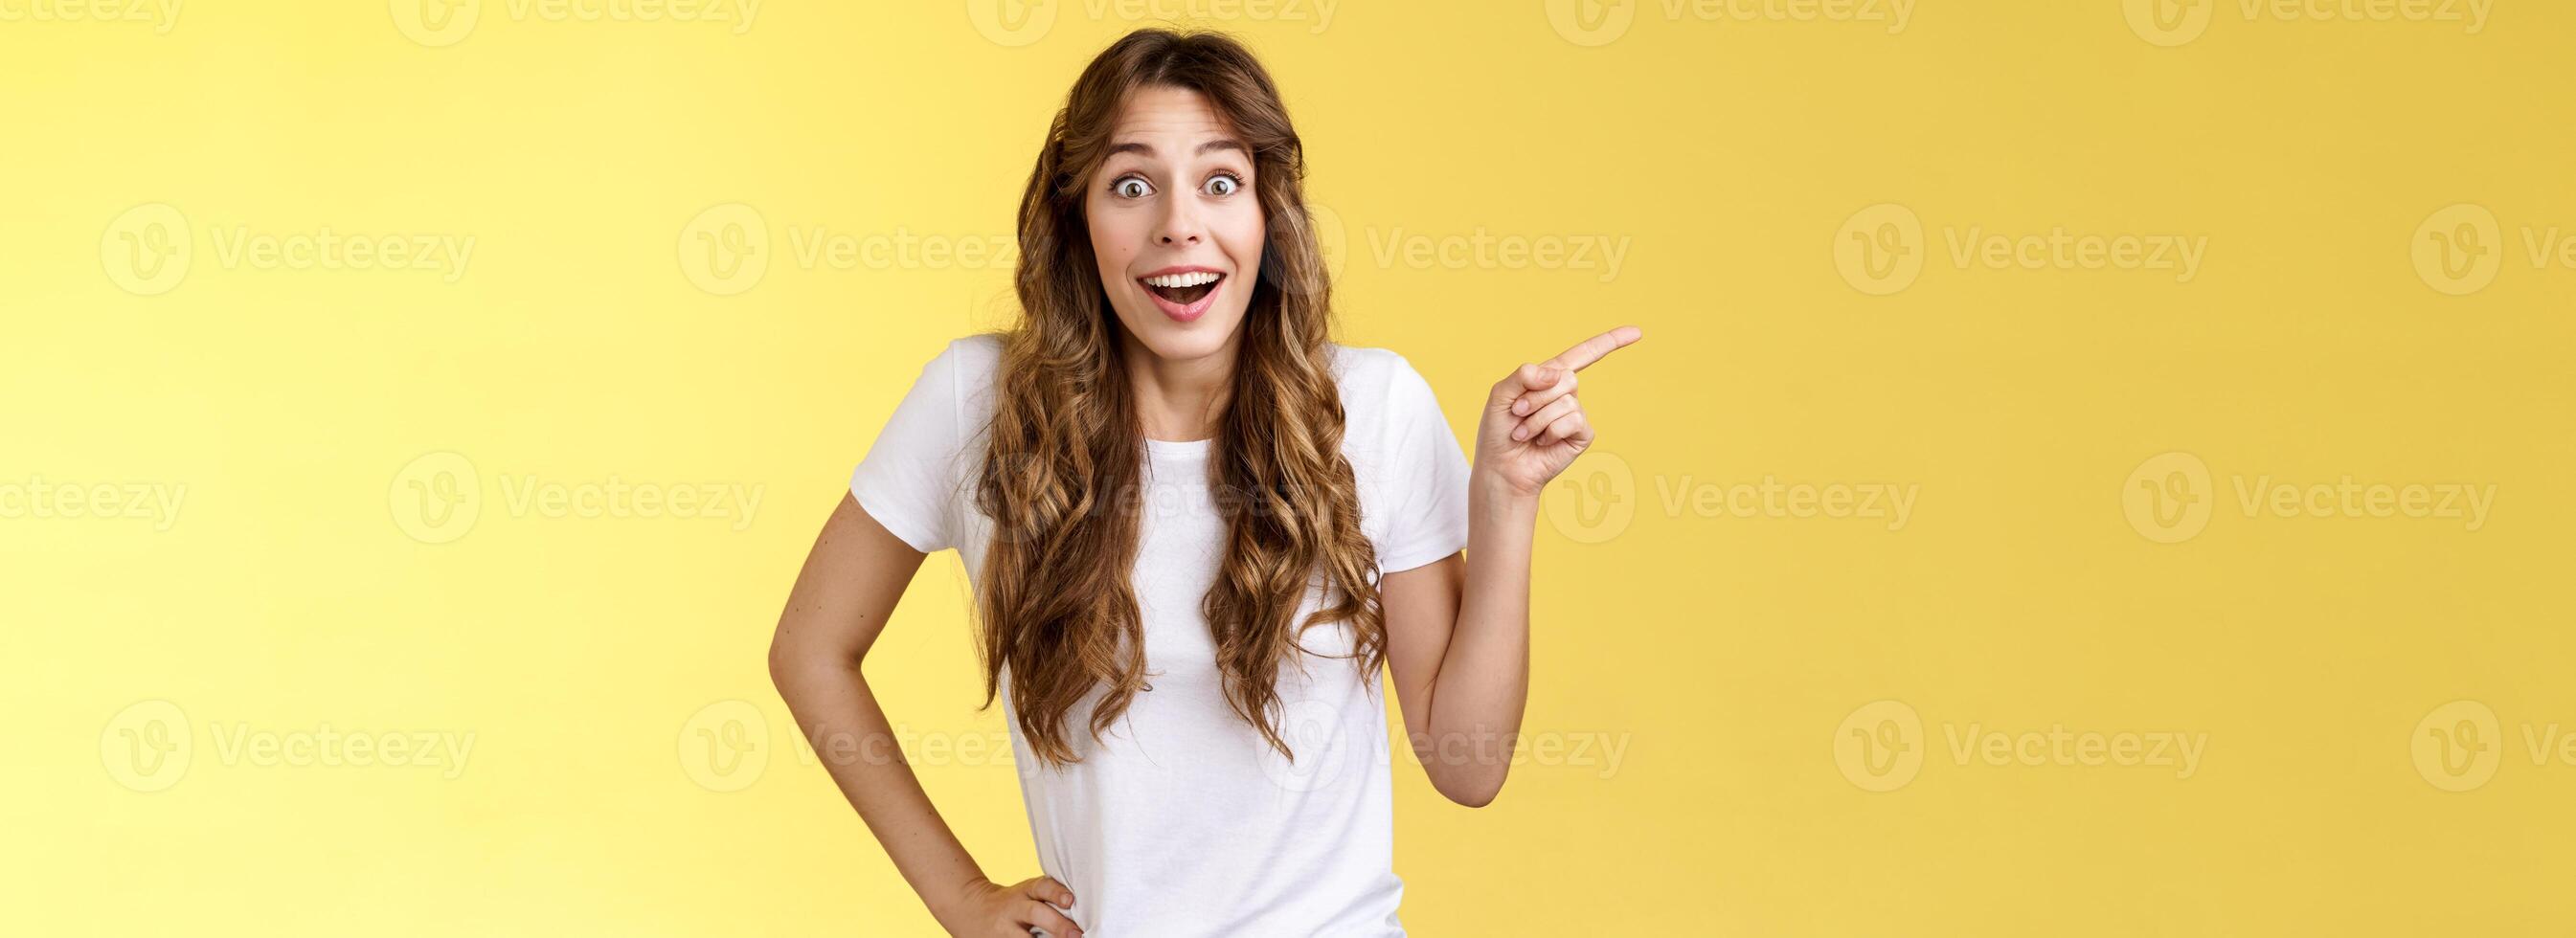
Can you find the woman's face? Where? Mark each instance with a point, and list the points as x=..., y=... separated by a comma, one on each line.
x=1175, y=225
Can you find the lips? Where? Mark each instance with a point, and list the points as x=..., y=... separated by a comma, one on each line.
x=1183, y=293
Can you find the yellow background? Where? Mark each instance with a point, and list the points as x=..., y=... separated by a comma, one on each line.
x=1724, y=649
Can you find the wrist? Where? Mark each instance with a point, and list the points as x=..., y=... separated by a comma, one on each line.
x=945, y=907
x=1489, y=493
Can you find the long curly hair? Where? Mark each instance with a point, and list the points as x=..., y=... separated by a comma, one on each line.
x=1062, y=475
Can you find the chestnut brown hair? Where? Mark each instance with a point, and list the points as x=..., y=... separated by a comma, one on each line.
x=1066, y=449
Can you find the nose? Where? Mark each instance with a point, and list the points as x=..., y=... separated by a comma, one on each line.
x=1179, y=225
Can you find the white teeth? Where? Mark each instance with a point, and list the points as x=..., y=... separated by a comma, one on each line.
x=1191, y=279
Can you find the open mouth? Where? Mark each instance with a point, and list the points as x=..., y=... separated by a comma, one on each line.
x=1183, y=295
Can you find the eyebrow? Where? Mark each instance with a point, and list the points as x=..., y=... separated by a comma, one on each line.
x=1148, y=149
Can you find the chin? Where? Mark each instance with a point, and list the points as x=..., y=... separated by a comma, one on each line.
x=1182, y=341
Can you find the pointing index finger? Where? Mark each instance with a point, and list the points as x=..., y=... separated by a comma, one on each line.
x=1584, y=353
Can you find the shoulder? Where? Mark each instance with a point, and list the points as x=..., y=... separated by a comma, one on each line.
x=1383, y=398
x=1373, y=377
x=1403, y=455
x=973, y=356
x=963, y=372
x=952, y=396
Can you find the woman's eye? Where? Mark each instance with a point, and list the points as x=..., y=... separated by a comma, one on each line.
x=1223, y=185
x=1131, y=188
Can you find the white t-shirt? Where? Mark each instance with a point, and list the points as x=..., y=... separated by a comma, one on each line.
x=1182, y=820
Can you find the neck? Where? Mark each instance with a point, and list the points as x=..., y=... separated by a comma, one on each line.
x=1179, y=400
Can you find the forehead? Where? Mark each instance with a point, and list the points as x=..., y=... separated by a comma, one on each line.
x=1161, y=111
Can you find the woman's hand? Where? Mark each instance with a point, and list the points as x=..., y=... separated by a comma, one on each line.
x=988, y=909
x=1533, y=427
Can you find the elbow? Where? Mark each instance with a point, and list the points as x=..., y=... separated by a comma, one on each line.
x=1476, y=799
x=1475, y=792
x=1467, y=775
x=781, y=662
x=793, y=662
x=785, y=659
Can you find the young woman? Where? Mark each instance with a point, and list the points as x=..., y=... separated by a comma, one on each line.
x=1197, y=529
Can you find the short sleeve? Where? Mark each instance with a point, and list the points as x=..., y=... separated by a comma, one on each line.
x=913, y=474
x=1425, y=474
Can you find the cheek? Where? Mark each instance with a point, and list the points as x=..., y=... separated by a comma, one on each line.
x=1243, y=235
x=1111, y=239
